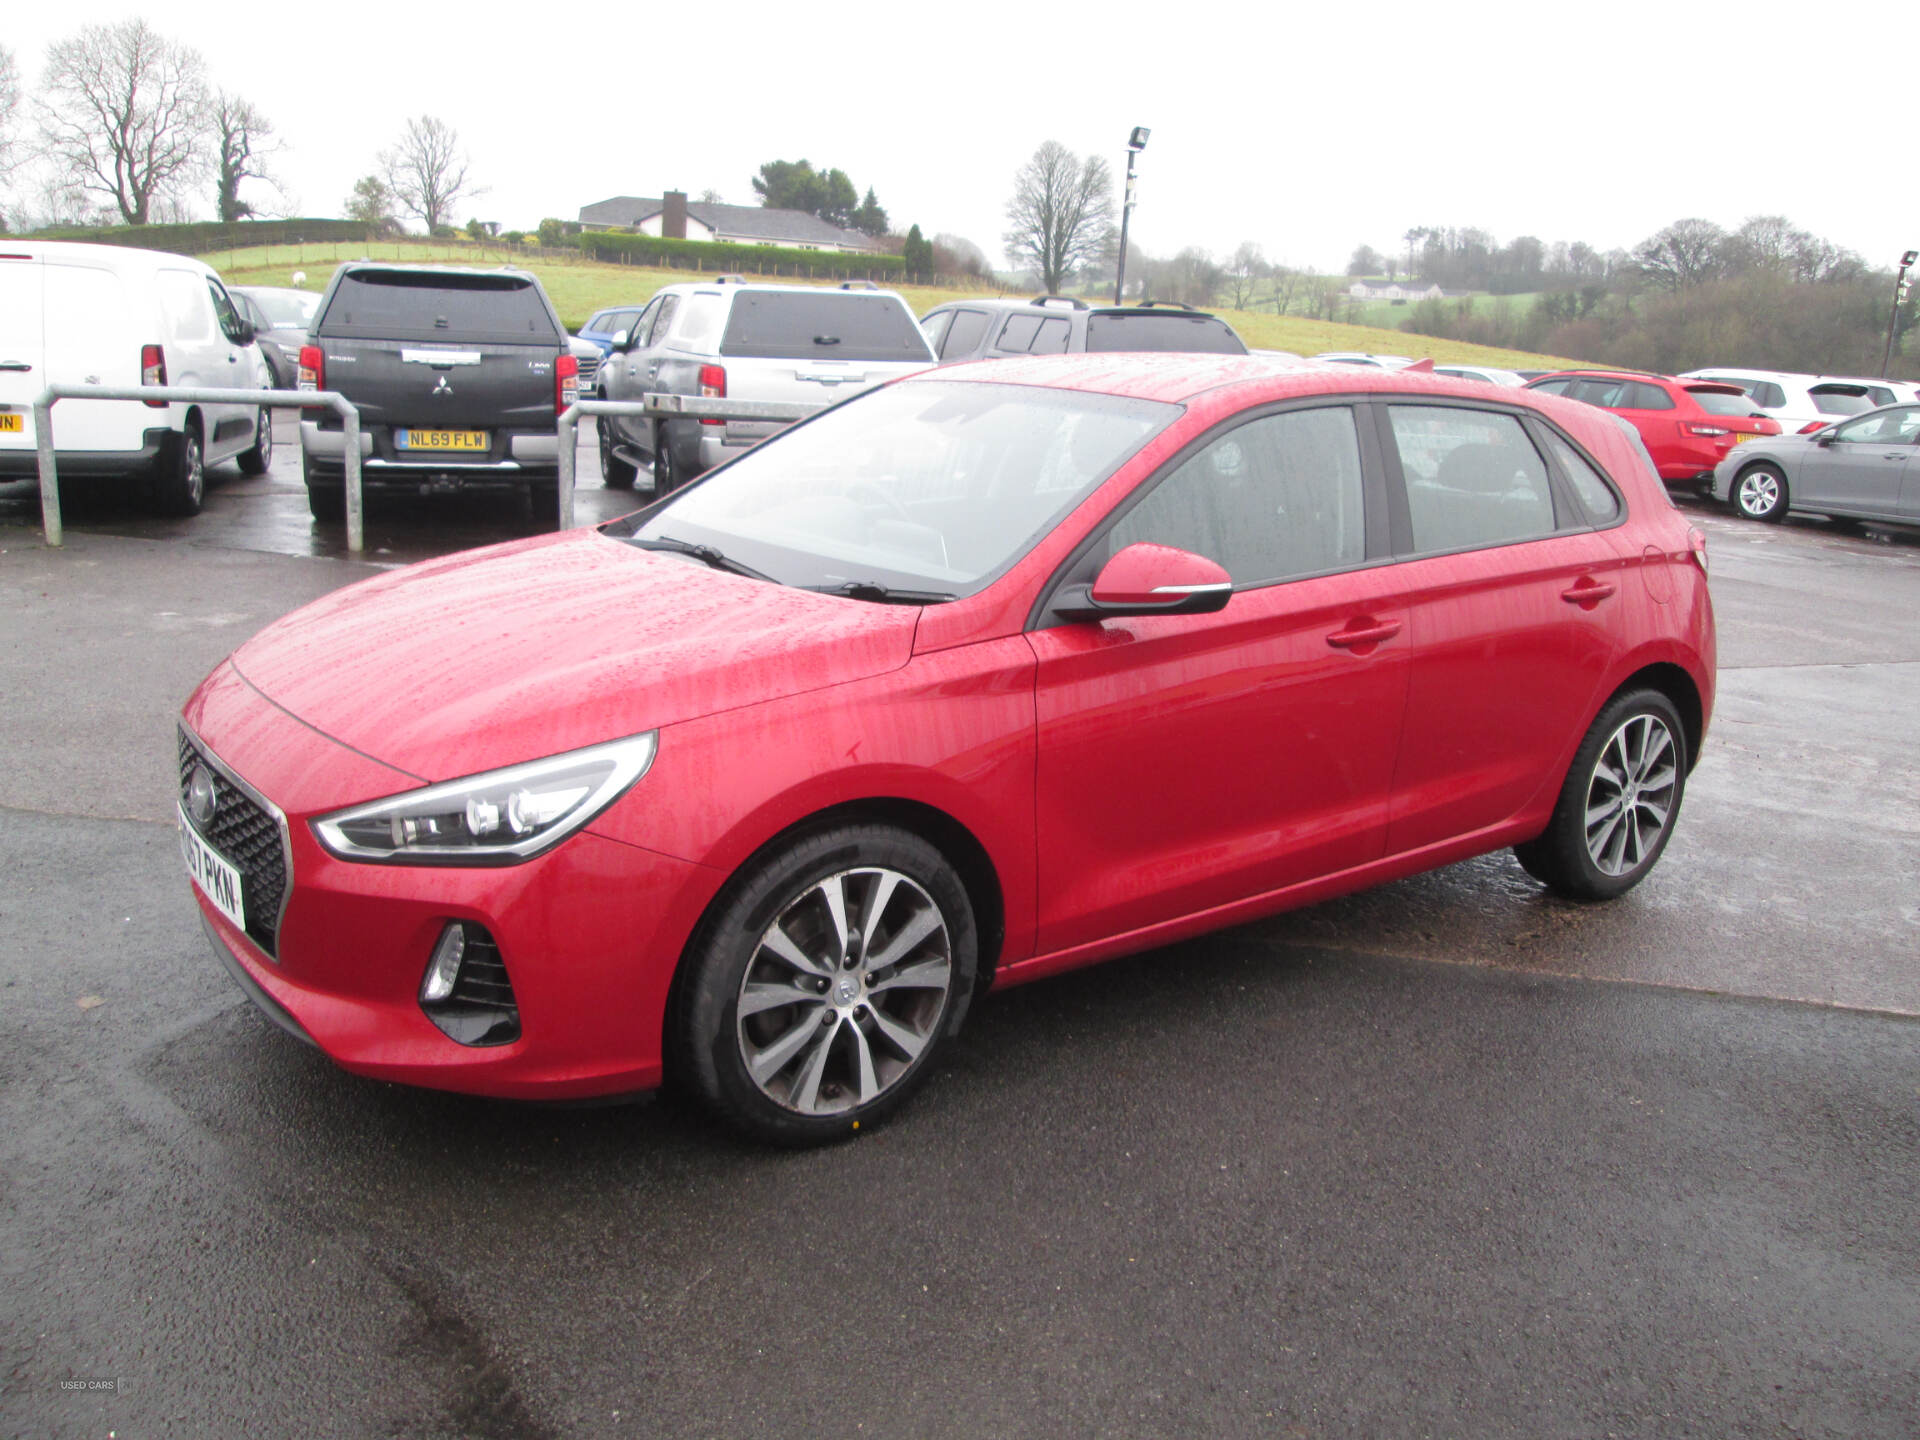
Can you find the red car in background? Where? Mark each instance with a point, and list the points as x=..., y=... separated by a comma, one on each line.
x=980, y=676
x=1688, y=426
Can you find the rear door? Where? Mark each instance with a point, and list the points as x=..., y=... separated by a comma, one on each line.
x=97, y=319
x=23, y=373
x=1514, y=593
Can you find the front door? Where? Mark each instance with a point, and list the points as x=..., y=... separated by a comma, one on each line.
x=1864, y=466
x=1189, y=761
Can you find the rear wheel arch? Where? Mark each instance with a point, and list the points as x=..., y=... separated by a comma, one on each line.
x=1677, y=685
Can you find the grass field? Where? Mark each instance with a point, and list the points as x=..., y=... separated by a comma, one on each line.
x=580, y=286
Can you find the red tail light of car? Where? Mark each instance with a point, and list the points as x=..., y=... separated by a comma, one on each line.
x=153, y=371
x=566, y=383
x=1811, y=426
x=1705, y=430
x=313, y=368
x=713, y=386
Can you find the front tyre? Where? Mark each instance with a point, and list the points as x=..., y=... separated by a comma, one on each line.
x=1760, y=492
x=1617, y=807
x=820, y=990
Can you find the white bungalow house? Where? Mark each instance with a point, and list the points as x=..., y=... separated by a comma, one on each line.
x=677, y=218
x=1408, y=290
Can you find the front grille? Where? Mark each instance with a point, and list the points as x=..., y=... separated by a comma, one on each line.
x=483, y=974
x=248, y=836
x=589, y=369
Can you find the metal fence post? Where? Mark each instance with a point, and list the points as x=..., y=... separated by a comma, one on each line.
x=356, y=500
x=567, y=440
x=49, y=477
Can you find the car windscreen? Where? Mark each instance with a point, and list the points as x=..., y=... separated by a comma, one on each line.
x=287, y=309
x=823, y=325
x=929, y=486
x=1159, y=330
x=1718, y=402
x=438, y=305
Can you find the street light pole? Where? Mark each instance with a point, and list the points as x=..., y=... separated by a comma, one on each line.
x=1136, y=142
x=1900, y=283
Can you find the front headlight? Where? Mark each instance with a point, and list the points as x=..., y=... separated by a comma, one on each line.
x=499, y=818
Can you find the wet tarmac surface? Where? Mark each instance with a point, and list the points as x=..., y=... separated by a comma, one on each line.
x=1448, y=1157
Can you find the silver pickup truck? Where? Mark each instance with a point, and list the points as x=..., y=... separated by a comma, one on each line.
x=458, y=376
x=726, y=338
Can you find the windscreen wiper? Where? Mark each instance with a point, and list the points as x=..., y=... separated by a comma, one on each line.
x=883, y=594
x=707, y=554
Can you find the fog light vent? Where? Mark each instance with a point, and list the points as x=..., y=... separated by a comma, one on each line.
x=466, y=990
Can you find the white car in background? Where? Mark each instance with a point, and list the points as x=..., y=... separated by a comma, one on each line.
x=113, y=315
x=1802, y=403
x=1488, y=373
x=1360, y=357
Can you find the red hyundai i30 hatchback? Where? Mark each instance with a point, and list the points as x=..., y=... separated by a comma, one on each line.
x=980, y=676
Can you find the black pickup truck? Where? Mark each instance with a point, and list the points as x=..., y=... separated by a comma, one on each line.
x=458, y=376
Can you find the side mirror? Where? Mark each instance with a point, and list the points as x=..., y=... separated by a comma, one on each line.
x=1147, y=579
x=620, y=338
x=246, y=334
x=1823, y=437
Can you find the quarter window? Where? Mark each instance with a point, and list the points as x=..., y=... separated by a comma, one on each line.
x=1473, y=478
x=1018, y=332
x=1277, y=497
x=1595, y=494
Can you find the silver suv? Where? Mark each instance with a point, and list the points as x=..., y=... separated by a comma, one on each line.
x=726, y=338
x=1062, y=325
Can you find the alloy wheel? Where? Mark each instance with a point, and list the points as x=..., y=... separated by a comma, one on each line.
x=845, y=990
x=1630, y=797
x=1759, y=493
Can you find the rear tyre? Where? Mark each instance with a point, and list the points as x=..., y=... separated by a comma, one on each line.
x=615, y=473
x=823, y=985
x=665, y=477
x=1760, y=492
x=180, y=480
x=1618, y=804
x=259, y=459
x=326, y=495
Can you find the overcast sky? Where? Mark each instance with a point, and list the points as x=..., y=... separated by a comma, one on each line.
x=1308, y=133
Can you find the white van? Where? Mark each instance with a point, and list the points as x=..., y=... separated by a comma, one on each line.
x=110, y=315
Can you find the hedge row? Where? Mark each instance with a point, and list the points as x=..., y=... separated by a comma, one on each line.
x=205, y=237
x=626, y=247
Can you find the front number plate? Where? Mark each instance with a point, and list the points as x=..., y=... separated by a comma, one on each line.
x=211, y=874
x=11, y=423
x=440, y=439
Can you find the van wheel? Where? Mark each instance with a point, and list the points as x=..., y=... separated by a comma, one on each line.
x=259, y=459
x=180, y=480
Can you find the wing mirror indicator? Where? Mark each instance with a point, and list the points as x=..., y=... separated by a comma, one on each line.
x=1148, y=579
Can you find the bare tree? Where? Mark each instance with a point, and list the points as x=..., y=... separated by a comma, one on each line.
x=243, y=141
x=9, y=106
x=1687, y=252
x=427, y=172
x=122, y=111
x=1243, y=274
x=1061, y=213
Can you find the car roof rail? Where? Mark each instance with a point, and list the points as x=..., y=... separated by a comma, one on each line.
x=1168, y=304
x=858, y=285
x=1067, y=300
x=729, y=279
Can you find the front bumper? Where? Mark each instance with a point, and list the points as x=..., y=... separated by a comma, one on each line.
x=590, y=932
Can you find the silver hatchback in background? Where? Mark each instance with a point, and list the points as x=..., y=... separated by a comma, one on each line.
x=1863, y=468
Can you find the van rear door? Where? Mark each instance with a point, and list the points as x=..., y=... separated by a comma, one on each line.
x=94, y=334
x=22, y=361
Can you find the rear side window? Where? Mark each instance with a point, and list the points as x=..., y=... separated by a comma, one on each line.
x=1554, y=387
x=1601, y=503
x=1639, y=395
x=964, y=338
x=1052, y=339
x=1161, y=330
x=437, y=305
x=1018, y=333
x=1473, y=478
x=822, y=325
x=1765, y=392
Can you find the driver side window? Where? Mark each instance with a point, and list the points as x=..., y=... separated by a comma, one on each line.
x=1275, y=498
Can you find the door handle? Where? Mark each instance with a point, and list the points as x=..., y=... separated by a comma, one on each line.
x=1371, y=633
x=1588, y=592
x=15, y=366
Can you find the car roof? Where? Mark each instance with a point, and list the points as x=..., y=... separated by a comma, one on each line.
x=1178, y=376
